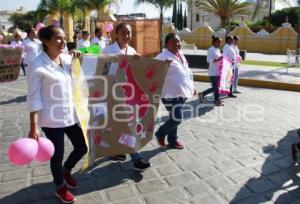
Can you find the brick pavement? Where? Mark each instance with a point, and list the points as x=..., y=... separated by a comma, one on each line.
x=238, y=153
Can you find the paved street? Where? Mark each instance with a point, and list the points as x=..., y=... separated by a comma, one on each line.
x=239, y=153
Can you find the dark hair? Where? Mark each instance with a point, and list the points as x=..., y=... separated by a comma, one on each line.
x=236, y=37
x=46, y=33
x=84, y=32
x=228, y=37
x=28, y=30
x=169, y=37
x=121, y=26
x=214, y=39
x=98, y=29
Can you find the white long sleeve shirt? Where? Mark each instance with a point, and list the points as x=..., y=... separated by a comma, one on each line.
x=32, y=48
x=229, y=52
x=50, y=91
x=115, y=49
x=83, y=43
x=179, y=78
x=213, y=53
x=103, y=42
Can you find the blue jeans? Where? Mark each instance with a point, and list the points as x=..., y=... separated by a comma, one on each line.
x=214, y=83
x=175, y=108
x=236, y=77
x=56, y=136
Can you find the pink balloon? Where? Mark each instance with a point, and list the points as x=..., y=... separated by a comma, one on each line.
x=22, y=151
x=238, y=59
x=39, y=26
x=45, y=150
x=109, y=27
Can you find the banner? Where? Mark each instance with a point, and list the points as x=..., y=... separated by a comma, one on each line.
x=10, y=63
x=124, y=95
x=226, y=75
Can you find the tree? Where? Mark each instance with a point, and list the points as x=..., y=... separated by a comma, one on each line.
x=175, y=14
x=180, y=17
x=185, y=20
x=57, y=6
x=162, y=5
x=99, y=5
x=27, y=20
x=84, y=6
x=226, y=9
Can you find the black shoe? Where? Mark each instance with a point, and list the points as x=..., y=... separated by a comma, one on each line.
x=200, y=97
x=294, y=152
x=141, y=165
x=231, y=96
x=119, y=157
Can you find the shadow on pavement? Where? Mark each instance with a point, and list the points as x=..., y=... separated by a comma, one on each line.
x=192, y=109
x=278, y=181
x=103, y=174
x=18, y=99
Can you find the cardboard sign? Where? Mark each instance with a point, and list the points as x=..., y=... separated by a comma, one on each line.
x=124, y=95
x=10, y=62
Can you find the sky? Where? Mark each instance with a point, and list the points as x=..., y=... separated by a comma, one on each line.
x=126, y=7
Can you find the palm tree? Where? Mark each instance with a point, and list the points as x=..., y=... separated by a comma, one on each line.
x=84, y=6
x=100, y=5
x=162, y=5
x=56, y=6
x=225, y=9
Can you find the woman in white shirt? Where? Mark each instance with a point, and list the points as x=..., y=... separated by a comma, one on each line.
x=121, y=47
x=18, y=41
x=213, y=57
x=84, y=41
x=229, y=52
x=177, y=88
x=236, y=65
x=32, y=47
x=51, y=107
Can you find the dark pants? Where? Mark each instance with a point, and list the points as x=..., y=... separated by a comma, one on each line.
x=231, y=86
x=23, y=68
x=214, y=82
x=56, y=135
x=175, y=107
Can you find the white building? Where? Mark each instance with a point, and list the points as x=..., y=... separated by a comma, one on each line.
x=5, y=24
x=197, y=16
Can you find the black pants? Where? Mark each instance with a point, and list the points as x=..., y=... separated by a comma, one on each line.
x=214, y=83
x=56, y=135
x=23, y=67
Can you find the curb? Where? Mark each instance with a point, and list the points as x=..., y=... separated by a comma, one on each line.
x=257, y=83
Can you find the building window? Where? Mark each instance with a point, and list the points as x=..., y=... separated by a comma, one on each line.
x=197, y=18
x=3, y=27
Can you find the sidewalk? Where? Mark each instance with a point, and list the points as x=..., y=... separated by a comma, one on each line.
x=260, y=76
x=236, y=154
x=249, y=55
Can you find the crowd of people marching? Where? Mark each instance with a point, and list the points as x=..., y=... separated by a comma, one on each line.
x=46, y=61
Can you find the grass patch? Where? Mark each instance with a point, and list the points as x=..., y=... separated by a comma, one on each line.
x=264, y=63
